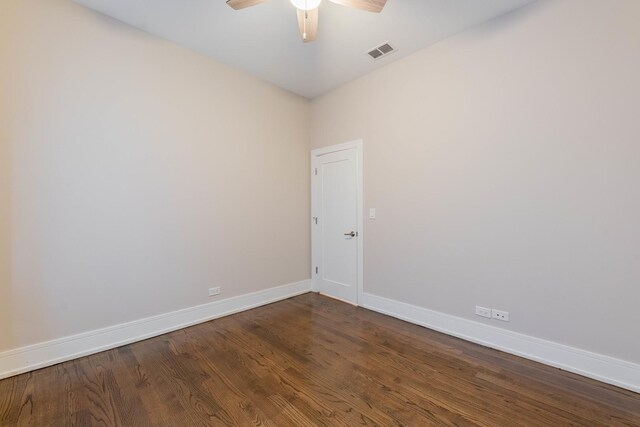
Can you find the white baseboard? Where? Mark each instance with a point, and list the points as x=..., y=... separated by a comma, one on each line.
x=593, y=365
x=24, y=359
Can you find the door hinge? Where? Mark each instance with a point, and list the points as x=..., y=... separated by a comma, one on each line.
x=316, y=171
x=315, y=219
x=316, y=270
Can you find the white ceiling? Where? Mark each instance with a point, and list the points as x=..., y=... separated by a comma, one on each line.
x=264, y=40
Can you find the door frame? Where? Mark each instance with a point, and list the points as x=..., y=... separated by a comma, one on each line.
x=315, y=204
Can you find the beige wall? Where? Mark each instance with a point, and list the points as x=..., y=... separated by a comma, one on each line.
x=5, y=192
x=141, y=175
x=504, y=166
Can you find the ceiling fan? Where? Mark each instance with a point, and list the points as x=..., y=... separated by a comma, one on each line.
x=308, y=12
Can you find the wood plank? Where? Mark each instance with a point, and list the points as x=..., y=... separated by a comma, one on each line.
x=309, y=360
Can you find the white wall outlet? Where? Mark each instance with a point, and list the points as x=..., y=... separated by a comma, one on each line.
x=500, y=315
x=484, y=312
x=214, y=291
x=372, y=213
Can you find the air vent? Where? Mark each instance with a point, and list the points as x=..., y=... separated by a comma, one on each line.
x=382, y=50
x=375, y=54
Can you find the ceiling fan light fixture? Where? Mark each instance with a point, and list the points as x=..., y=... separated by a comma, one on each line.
x=306, y=4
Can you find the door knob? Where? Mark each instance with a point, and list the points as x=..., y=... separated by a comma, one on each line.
x=352, y=234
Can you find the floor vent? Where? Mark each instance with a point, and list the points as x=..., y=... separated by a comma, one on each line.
x=380, y=51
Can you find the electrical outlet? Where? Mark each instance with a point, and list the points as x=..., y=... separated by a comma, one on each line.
x=500, y=315
x=484, y=312
x=214, y=291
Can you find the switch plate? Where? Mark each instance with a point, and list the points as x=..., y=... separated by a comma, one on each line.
x=484, y=312
x=500, y=315
x=214, y=291
x=372, y=213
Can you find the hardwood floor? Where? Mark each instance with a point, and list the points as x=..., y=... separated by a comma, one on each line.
x=309, y=360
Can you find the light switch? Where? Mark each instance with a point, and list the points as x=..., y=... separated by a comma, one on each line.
x=372, y=213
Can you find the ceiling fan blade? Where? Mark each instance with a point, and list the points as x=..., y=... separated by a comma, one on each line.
x=308, y=23
x=241, y=4
x=375, y=6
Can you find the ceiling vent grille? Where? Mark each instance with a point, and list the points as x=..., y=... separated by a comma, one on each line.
x=379, y=51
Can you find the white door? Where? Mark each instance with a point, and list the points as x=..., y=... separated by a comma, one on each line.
x=336, y=223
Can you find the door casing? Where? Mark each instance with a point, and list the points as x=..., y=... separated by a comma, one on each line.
x=316, y=250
